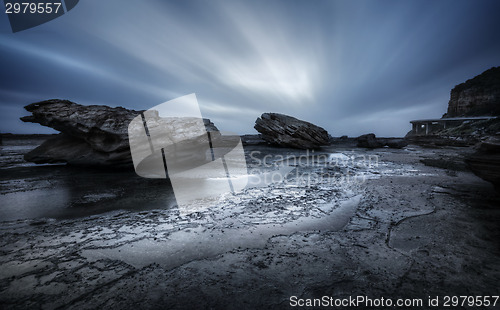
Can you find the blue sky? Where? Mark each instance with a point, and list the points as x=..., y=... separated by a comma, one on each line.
x=352, y=67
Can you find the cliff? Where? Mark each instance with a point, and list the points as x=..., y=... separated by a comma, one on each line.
x=479, y=96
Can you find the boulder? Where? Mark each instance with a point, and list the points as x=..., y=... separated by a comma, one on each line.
x=94, y=135
x=252, y=140
x=396, y=143
x=485, y=162
x=287, y=131
x=64, y=148
x=103, y=128
x=369, y=141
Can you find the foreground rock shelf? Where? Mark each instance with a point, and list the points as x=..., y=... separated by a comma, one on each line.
x=485, y=162
x=434, y=233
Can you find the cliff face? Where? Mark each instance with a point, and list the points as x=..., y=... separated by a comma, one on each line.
x=479, y=96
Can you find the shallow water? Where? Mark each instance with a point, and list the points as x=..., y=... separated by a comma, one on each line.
x=199, y=242
x=29, y=191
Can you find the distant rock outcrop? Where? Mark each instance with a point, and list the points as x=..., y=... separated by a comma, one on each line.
x=370, y=141
x=479, y=96
x=395, y=143
x=485, y=163
x=287, y=131
x=95, y=135
x=252, y=140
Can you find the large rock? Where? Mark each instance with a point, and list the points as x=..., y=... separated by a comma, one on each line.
x=485, y=163
x=252, y=140
x=95, y=135
x=396, y=143
x=64, y=148
x=287, y=131
x=370, y=141
x=103, y=128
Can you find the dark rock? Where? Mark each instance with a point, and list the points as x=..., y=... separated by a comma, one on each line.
x=64, y=148
x=252, y=140
x=479, y=96
x=287, y=131
x=440, y=141
x=369, y=141
x=452, y=163
x=103, y=128
x=343, y=138
x=485, y=163
x=95, y=135
x=396, y=143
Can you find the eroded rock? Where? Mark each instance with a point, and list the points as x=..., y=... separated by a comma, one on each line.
x=370, y=141
x=478, y=96
x=485, y=163
x=396, y=143
x=288, y=131
x=95, y=135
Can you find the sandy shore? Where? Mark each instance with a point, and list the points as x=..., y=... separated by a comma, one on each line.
x=407, y=231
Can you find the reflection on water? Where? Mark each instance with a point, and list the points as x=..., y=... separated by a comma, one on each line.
x=30, y=191
x=35, y=191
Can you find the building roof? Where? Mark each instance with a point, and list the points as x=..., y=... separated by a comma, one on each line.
x=472, y=118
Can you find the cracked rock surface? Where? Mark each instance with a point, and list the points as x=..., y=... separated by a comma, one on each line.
x=395, y=229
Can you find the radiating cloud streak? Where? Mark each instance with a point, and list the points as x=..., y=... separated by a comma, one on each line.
x=335, y=63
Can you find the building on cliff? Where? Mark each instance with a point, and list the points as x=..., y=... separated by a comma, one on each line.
x=477, y=99
x=431, y=126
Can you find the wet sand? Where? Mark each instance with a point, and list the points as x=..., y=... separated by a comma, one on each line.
x=405, y=230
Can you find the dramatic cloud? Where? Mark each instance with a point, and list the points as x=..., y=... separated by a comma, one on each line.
x=350, y=66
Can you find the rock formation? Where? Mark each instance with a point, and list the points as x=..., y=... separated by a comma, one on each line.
x=252, y=140
x=370, y=141
x=485, y=163
x=287, y=131
x=479, y=96
x=395, y=143
x=95, y=135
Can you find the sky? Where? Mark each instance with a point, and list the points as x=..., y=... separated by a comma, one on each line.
x=351, y=67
